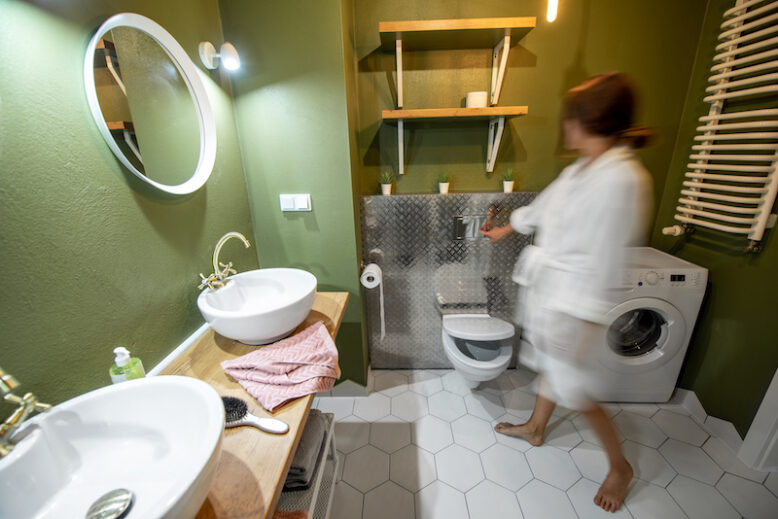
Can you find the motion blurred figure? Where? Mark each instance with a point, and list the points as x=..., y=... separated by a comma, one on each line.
x=583, y=222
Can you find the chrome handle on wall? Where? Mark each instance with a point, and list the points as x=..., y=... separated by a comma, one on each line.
x=466, y=227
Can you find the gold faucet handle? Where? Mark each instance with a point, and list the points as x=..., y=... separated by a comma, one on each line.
x=7, y=382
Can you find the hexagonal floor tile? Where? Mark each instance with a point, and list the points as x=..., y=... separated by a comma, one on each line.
x=506, y=467
x=388, y=501
x=562, y=434
x=648, y=464
x=431, y=433
x=585, y=429
x=639, y=429
x=424, y=382
x=484, y=405
x=554, y=466
x=750, y=499
x=390, y=434
x=501, y=384
x=341, y=407
x=454, y=383
x=447, y=406
x=647, y=501
x=351, y=433
x=373, y=407
x=540, y=500
x=459, y=467
x=511, y=441
x=366, y=468
x=701, y=500
x=522, y=377
x=519, y=403
x=473, y=433
x=691, y=461
x=728, y=460
x=347, y=502
x=412, y=468
x=680, y=427
x=389, y=382
x=487, y=501
x=591, y=461
x=409, y=406
x=647, y=410
x=440, y=501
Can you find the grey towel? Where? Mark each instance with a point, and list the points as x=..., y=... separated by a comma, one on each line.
x=309, y=452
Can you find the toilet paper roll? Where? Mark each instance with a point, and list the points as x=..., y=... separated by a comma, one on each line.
x=476, y=99
x=372, y=277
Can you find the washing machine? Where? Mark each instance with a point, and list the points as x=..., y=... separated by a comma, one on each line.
x=648, y=329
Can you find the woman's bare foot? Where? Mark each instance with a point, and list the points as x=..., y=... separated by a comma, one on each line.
x=614, y=489
x=523, y=431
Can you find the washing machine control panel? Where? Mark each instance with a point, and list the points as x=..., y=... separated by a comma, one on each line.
x=680, y=278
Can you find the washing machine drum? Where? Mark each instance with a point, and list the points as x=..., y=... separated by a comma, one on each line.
x=642, y=334
x=636, y=332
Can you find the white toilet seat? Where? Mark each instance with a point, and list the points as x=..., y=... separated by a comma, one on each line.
x=474, y=329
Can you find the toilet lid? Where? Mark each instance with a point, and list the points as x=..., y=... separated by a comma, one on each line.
x=477, y=327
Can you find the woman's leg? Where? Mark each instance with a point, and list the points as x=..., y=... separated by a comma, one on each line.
x=614, y=488
x=533, y=430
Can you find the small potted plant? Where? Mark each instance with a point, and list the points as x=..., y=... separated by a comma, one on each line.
x=507, y=181
x=386, y=182
x=443, y=181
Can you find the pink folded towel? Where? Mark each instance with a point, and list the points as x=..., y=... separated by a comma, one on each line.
x=299, y=365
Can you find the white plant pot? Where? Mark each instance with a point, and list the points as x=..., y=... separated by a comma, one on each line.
x=443, y=187
x=386, y=189
x=507, y=186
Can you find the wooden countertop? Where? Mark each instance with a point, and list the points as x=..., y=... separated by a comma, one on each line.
x=253, y=464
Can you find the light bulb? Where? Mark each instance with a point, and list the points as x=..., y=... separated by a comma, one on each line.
x=552, y=10
x=229, y=56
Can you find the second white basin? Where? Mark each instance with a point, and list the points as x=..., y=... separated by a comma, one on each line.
x=259, y=306
x=159, y=437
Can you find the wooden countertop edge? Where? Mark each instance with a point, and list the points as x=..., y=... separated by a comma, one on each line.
x=328, y=307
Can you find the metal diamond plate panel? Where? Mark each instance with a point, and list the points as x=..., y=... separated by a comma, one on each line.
x=426, y=270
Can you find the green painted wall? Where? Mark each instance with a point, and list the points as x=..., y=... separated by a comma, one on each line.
x=653, y=41
x=92, y=259
x=733, y=354
x=291, y=106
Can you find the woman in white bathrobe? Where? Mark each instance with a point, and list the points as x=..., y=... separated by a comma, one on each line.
x=582, y=222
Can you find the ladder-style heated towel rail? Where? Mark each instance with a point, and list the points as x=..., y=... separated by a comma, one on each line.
x=732, y=175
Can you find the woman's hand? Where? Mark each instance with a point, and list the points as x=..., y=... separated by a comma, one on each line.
x=495, y=234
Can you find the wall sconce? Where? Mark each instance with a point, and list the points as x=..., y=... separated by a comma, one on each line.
x=551, y=11
x=228, y=55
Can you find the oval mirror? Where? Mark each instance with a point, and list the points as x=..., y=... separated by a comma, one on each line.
x=150, y=104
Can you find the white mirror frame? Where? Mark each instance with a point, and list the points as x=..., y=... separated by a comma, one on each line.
x=191, y=77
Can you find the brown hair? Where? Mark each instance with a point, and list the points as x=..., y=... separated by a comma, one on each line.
x=605, y=105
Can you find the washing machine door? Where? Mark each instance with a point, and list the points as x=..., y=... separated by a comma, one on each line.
x=642, y=334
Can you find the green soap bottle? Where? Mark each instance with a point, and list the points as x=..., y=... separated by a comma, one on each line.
x=125, y=367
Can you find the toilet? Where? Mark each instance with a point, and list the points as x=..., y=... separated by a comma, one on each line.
x=478, y=345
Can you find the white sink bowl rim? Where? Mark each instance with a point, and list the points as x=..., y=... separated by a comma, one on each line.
x=259, y=306
x=159, y=437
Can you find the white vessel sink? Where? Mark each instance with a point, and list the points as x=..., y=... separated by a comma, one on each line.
x=159, y=437
x=259, y=306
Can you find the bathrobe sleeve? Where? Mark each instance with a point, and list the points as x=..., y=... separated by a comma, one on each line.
x=526, y=220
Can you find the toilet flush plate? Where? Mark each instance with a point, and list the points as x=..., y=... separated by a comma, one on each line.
x=477, y=327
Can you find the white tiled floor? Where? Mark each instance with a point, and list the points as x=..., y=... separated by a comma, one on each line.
x=421, y=446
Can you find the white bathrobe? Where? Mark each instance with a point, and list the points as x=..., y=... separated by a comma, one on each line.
x=583, y=221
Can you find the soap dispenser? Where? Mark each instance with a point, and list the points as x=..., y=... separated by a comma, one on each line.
x=125, y=367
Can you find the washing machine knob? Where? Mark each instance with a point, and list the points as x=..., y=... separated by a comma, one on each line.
x=652, y=277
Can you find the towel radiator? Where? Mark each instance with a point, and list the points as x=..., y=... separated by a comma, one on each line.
x=732, y=175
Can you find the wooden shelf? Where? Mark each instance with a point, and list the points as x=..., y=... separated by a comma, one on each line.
x=120, y=125
x=468, y=33
x=449, y=113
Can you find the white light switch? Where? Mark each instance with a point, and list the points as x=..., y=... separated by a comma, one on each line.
x=295, y=202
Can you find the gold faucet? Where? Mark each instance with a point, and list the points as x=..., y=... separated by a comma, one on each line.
x=27, y=405
x=216, y=278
